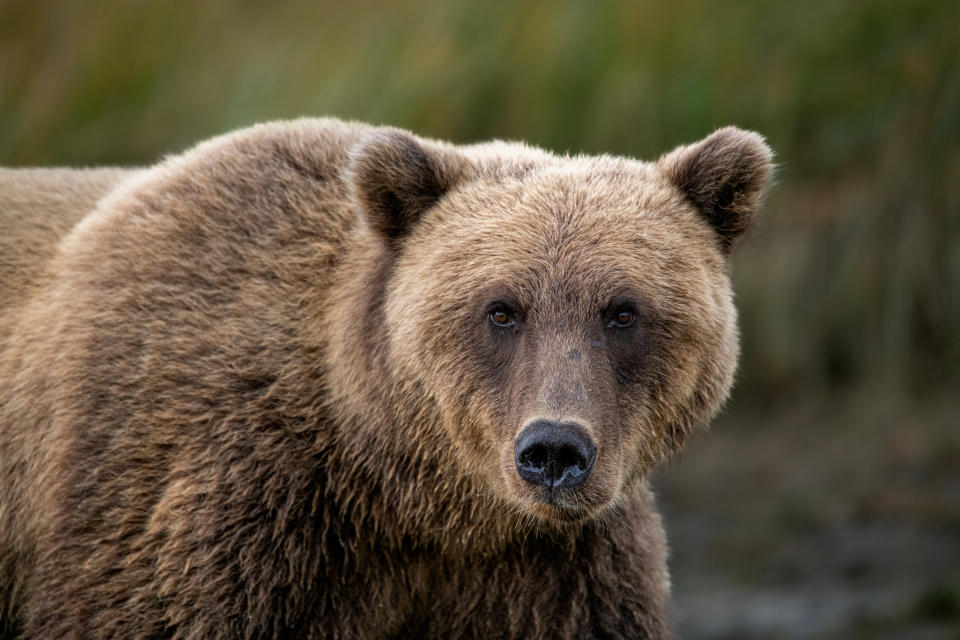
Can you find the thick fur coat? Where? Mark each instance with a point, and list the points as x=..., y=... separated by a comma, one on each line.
x=274, y=387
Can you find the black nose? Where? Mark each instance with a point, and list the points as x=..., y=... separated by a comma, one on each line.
x=554, y=454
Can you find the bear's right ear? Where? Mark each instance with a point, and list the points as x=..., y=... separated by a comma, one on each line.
x=724, y=177
x=395, y=178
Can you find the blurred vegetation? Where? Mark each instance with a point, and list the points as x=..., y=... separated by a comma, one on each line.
x=853, y=274
x=852, y=277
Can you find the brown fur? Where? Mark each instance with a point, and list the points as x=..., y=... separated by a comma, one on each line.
x=253, y=391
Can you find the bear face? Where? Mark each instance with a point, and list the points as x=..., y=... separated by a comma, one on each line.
x=571, y=318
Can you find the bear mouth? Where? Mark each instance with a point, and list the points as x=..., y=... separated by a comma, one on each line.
x=562, y=505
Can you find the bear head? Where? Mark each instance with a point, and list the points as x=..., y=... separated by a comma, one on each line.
x=569, y=318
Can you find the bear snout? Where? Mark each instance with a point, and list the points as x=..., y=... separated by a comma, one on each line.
x=554, y=454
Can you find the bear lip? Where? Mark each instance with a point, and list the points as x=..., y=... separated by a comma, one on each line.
x=560, y=504
x=551, y=509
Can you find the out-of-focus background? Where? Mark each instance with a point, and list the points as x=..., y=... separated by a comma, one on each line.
x=825, y=502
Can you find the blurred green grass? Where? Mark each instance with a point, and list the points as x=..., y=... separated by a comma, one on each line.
x=851, y=279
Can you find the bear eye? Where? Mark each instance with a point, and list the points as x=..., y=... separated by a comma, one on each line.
x=501, y=317
x=622, y=319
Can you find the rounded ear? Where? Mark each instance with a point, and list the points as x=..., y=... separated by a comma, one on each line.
x=395, y=177
x=724, y=176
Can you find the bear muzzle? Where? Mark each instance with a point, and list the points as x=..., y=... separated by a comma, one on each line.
x=555, y=455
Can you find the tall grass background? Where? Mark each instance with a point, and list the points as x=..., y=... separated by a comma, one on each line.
x=852, y=276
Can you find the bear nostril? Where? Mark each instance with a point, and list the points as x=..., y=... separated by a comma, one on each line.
x=535, y=456
x=570, y=457
x=555, y=455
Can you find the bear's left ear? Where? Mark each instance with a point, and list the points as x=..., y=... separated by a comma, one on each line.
x=396, y=177
x=724, y=176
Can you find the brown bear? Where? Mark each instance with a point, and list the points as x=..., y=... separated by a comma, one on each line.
x=323, y=380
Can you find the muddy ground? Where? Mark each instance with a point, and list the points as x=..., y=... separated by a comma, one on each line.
x=831, y=521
